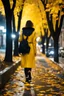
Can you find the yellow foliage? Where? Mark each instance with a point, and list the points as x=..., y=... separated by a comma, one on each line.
x=34, y=10
x=48, y=5
x=47, y=10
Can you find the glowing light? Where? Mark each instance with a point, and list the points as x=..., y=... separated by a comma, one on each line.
x=38, y=38
x=1, y=27
x=4, y=30
x=45, y=44
x=13, y=36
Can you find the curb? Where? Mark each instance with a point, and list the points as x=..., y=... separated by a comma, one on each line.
x=6, y=73
x=57, y=63
x=54, y=62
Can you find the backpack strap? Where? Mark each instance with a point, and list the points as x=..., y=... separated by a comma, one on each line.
x=23, y=36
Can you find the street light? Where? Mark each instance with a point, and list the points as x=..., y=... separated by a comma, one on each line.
x=13, y=36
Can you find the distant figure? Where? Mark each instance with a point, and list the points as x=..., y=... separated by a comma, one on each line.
x=28, y=60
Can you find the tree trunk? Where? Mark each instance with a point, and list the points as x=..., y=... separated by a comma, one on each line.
x=8, y=54
x=8, y=14
x=56, y=47
x=17, y=33
x=43, y=46
x=43, y=49
x=16, y=45
x=16, y=38
x=47, y=45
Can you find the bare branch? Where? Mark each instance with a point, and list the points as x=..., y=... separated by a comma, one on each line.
x=14, y=3
x=44, y=3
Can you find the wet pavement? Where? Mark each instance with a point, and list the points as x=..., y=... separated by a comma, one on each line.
x=47, y=80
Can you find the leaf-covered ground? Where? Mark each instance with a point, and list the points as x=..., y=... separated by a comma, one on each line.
x=4, y=64
x=47, y=80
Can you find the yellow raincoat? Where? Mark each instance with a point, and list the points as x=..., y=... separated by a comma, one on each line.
x=28, y=60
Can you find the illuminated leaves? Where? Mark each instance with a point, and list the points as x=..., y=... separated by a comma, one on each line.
x=4, y=64
x=54, y=7
x=16, y=58
x=1, y=8
x=34, y=10
x=33, y=15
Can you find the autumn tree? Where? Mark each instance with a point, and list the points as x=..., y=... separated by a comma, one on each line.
x=54, y=13
x=45, y=36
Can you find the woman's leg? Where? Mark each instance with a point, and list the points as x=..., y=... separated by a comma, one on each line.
x=27, y=74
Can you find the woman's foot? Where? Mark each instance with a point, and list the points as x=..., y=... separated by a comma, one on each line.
x=28, y=81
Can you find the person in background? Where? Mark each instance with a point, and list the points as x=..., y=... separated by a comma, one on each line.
x=28, y=60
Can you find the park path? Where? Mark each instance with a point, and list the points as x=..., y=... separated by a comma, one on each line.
x=47, y=80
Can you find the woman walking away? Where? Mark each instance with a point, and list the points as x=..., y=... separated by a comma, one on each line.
x=28, y=60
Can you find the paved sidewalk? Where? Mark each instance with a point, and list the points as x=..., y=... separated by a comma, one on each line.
x=47, y=80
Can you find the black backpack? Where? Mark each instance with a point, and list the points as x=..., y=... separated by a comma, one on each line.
x=24, y=47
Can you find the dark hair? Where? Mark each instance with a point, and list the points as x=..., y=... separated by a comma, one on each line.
x=29, y=23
